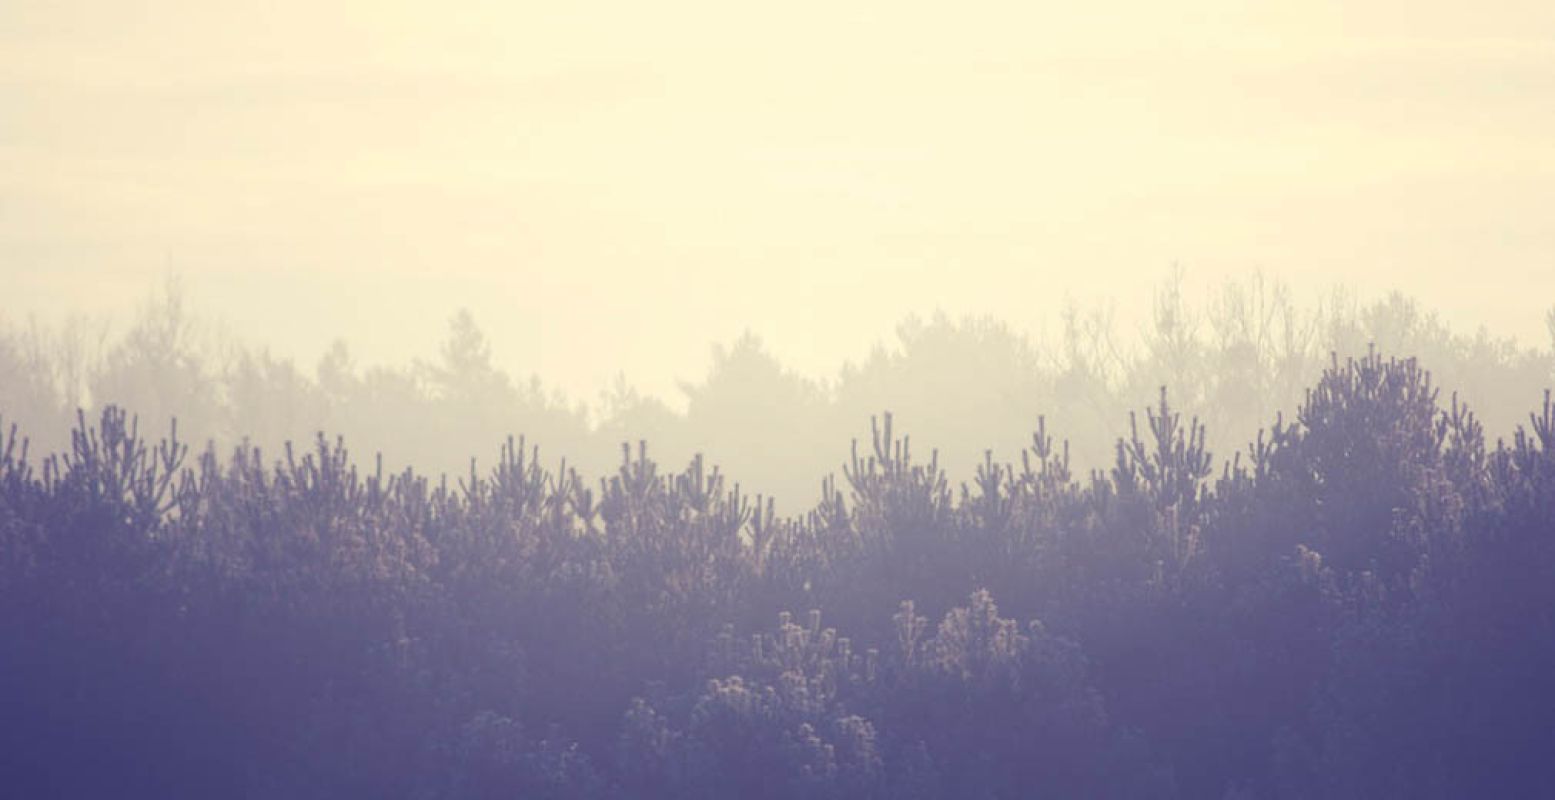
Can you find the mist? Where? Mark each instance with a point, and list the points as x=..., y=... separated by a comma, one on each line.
x=610, y=189
x=695, y=400
x=966, y=388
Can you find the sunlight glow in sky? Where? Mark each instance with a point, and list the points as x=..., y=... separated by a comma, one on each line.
x=616, y=186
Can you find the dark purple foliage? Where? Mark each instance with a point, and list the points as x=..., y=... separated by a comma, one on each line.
x=1358, y=606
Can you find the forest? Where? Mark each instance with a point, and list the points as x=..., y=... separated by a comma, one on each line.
x=1264, y=551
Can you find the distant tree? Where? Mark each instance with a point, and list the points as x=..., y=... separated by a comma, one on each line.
x=269, y=402
x=1264, y=351
x=159, y=369
x=759, y=417
x=968, y=385
x=464, y=373
x=29, y=397
x=625, y=414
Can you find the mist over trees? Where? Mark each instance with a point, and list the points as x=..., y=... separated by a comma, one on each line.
x=1350, y=601
x=1234, y=360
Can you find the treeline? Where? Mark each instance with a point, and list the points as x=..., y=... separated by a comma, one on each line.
x=1234, y=360
x=1357, y=604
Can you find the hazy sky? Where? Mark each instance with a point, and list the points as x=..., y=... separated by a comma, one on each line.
x=616, y=186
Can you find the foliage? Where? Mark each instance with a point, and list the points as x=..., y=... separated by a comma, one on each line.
x=1357, y=605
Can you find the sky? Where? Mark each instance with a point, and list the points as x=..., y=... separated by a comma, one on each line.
x=614, y=187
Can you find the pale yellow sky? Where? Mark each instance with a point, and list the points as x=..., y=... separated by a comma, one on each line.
x=615, y=186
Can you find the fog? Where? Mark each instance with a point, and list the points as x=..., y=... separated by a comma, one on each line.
x=699, y=399
x=1237, y=359
x=612, y=189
